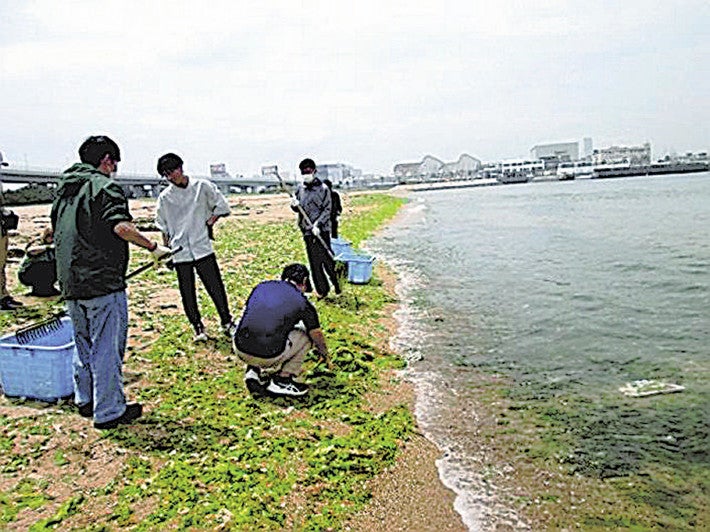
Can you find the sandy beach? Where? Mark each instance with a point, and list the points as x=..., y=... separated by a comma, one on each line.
x=407, y=496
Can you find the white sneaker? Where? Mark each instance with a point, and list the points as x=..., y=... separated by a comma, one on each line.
x=200, y=334
x=229, y=329
x=286, y=386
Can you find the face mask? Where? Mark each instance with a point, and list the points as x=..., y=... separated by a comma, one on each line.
x=308, y=178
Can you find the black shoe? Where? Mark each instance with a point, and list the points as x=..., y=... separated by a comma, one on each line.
x=286, y=386
x=133, y=411
x=8, y=303
x=254, y=379
x=87, y=410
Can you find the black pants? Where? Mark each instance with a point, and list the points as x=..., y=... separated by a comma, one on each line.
x=208, y=270
x=321, y=264
x=334, y=227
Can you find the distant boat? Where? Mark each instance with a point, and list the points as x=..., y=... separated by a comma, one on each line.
x=575, y=170
x=508, y=178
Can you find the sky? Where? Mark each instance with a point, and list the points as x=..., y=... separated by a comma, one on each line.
x=366, y=83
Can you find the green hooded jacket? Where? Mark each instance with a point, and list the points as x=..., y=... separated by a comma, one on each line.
x=91, y=259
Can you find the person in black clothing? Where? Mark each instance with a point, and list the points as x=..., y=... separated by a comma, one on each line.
x=313, y=199
x=277, y=329
x=7, y=302
x=336, y=208
x=39, y=268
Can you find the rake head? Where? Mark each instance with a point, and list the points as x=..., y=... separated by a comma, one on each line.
x=37, y=330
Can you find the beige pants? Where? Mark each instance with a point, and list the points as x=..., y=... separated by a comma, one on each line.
x=290, y=361
x=3, y=260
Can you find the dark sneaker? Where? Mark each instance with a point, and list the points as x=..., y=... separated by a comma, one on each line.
x=8, y=303
x=133, y=411
x=286, y=386
x=255, y=381
x=86, y=410
x=253, y=373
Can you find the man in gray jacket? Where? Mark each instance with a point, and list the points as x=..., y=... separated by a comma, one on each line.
x=313, y=199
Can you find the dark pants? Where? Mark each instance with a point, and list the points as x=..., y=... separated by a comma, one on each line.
x=321, y=264
x=334, y=227
x=208, y=270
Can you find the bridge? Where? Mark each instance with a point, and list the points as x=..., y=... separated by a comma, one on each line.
x=144, y=185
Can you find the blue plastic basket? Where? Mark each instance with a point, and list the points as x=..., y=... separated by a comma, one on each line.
x=41, y=370
x=359, y=268
x=340, y=247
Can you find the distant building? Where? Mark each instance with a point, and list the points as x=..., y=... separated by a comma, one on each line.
x=588, y=148
x=633, y=155
x=431, y=167
x=560, y=152
x=466, y=167
x=338, y=173
x=406, y=170
x=687, y=157
x=219, y=170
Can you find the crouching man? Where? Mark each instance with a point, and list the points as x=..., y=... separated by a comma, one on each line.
x=278, y=328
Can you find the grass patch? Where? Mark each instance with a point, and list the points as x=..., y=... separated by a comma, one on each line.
x=206, y=454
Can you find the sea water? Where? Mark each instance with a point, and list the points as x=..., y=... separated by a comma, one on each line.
x=566, y=289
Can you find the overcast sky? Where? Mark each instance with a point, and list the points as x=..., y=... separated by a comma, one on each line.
x=368, y=83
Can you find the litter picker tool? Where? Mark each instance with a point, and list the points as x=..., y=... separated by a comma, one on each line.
x=49, y=325
x=302, y=211
x=150, y=264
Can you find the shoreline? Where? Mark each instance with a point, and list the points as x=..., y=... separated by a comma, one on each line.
x=439, y=402
x=421, y=500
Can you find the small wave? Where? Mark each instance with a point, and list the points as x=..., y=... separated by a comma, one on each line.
x=460, y=466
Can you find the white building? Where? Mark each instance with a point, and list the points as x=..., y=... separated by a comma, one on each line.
x=430, y=167
x=561, y=151
x=631, y=155
x=338, y=173
x=466, y=167
x=588, y=148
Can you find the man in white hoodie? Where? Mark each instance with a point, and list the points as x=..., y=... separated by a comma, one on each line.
x=186, y=212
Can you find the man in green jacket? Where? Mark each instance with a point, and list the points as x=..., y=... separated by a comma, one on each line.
x=92, y=228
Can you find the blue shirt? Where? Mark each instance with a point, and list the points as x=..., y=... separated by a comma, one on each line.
x=271, y=313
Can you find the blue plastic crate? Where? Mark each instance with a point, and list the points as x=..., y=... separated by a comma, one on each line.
x=340, y=247
x=359, y=268
x=41, y=369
